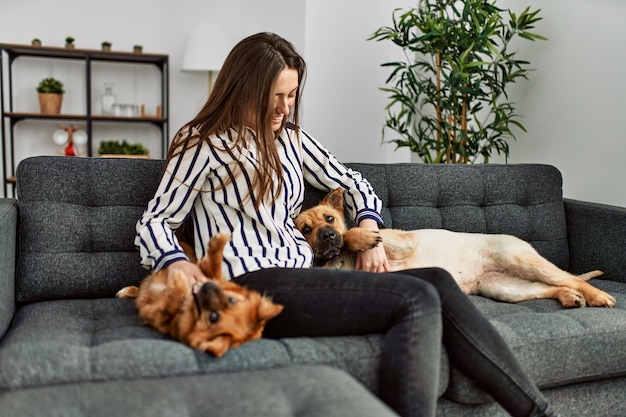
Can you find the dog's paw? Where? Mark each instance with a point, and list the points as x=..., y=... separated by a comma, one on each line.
x=359, y=239
x=601, y=299
x=128, y=292
x=571, y=298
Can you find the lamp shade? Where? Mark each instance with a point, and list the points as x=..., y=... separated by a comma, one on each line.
x=207, y=48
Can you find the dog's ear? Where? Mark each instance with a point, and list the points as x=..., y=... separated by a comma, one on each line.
x=211, y=264
x=334, y=199
x=217, y=346
x=268, y=310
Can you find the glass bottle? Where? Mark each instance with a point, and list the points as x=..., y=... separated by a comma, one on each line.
x=108, y=98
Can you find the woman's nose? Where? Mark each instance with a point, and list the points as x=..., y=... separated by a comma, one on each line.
x=282, y=107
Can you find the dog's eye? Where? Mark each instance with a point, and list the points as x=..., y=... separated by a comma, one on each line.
x=214, y=317
x=232, y=300
x=306, y=230
x=330, y=219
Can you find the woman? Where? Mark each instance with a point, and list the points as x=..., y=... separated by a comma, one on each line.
x=239, y=168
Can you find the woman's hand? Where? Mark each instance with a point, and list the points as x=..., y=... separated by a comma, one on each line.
x=375, y=259
x=190, y=270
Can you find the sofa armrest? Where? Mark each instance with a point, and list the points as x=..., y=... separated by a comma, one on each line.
x=8, y=251
x=596, y=235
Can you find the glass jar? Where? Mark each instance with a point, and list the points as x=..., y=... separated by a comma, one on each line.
x=108, y=98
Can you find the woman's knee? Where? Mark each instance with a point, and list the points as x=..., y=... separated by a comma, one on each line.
x=420, y=295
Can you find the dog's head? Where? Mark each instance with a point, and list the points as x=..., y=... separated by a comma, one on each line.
x=213, y=316
x=323, y=226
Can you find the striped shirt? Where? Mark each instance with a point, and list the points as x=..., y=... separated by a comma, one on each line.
x=262, y=237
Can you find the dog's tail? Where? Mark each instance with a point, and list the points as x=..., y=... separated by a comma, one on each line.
x=128, y=292
x=589, y=275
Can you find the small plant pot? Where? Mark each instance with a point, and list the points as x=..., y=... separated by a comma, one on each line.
x=106, y=48
x=50, y=103
x=35, y=42
x=69, y=46
x=138, y=49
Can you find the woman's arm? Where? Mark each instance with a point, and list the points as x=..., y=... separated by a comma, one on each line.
x=324, y=171
x=173, y=201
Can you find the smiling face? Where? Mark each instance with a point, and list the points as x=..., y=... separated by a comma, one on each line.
x=283, y=96
x=281, y=101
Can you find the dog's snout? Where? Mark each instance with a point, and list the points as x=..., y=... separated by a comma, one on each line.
x=328, y=234
x=212, y=297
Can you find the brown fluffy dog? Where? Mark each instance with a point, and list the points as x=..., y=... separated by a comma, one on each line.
x=213, y=316
x=501, y=267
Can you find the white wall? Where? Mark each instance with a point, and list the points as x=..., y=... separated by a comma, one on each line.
x=571, y=104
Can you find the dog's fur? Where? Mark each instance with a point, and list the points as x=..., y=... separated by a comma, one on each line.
x=501, y=267
x=214, y=316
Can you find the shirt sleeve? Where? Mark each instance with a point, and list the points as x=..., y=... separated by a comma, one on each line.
x=323, y=171
x=173, y=201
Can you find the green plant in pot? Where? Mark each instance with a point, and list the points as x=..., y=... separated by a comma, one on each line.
x=50, y=91
x=448, y=98
x=123, y=149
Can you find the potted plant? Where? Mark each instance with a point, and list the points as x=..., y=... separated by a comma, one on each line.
x=36, y=42
x=137, y=49
x=106, y=46
x=50, y=91
x=448, y=98
x=117, y=149
x=69, y=42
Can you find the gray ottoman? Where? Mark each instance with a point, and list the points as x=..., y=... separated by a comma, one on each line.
x=303, y=391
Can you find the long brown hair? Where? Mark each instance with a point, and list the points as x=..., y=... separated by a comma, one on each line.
x=244, y=83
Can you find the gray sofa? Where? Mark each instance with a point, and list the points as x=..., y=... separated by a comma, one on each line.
x=69, y=348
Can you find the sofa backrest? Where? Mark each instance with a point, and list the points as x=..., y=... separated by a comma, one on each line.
x=78, y=215
x=524, y=200
x=77, y=225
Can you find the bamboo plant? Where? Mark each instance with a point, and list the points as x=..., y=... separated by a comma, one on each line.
x=448, y=98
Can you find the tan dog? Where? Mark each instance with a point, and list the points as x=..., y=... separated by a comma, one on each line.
x=214, y=316
x=501, y=267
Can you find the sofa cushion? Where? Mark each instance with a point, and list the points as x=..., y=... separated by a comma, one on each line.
x=556, y=346
x=303, y=391
x=77, y=225
x=69, y=341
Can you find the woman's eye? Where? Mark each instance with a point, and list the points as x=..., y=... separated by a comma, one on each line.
x=214, y=317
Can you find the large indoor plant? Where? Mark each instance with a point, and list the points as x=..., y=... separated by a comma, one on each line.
x=448, y=98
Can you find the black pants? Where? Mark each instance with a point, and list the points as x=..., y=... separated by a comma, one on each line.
x=415, y=310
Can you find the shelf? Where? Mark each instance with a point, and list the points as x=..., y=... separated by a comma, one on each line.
x=10, y=52
x=80, y=54
x=95, y=118
x=62, y=116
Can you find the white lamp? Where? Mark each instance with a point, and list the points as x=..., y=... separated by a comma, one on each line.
x=207, y=48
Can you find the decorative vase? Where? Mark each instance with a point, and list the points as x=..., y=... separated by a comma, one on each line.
x=50, y=103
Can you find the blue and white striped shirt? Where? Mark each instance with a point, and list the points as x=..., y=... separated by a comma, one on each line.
x=260, y=238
